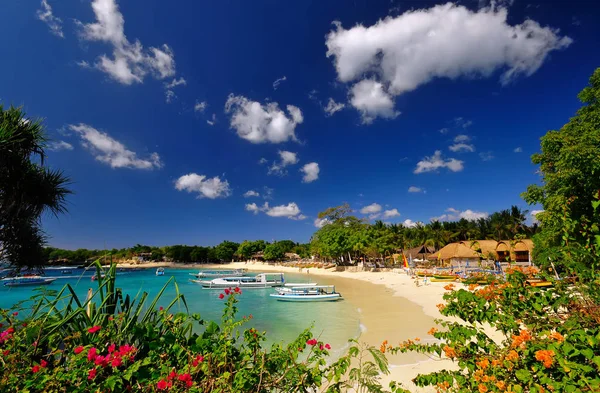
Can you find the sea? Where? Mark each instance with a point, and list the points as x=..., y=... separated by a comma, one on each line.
x=333, y=322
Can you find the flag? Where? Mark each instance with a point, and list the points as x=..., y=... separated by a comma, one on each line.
x=404, y=261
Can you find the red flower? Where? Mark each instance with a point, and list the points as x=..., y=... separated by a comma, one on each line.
x=312, y=342
x=116, y=361
x=199, y=359
x=184, y=377
x=111, y=318
x=227, y=291
x=94, y=329
x=15, y=313
x=321, y=347
x=161, y=385
x=92, y=374
x=35, y=369
x=43, y=363
x=160, y=308
x=92, y=354
x=111, y=348
x=24, y=324
x=172, y=375
x=35, y=343
x=101, y=361
x=221, y=296
x=237, y=290
x=327, y=346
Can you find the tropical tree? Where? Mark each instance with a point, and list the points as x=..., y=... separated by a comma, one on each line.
x=28, y=188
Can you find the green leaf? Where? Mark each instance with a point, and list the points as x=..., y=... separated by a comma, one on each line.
x=523, y=375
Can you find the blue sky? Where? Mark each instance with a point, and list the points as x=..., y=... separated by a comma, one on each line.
x=166, y=116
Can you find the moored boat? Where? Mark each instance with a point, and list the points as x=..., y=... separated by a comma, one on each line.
x=27, y=281
x=160, y=271
x=262, y=280
x=315, y=293
x=219, y=273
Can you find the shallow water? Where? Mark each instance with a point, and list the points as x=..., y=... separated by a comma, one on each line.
x=334, y=322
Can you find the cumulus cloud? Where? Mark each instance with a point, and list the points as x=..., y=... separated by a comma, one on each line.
x=371, y=99
x=54, y=23
x=200, y=106
x=130, y=62
x=455, y=215
x=290, y=211
x=373, y=208
x=518, y=150
x=391, y=213
x=436, y=161
x=286, y=158
x=486, y=156
x=415, y=189
x=333, y=107
x=311, y=172
x=278, y=82
x=205, y=188
x=409, y=223
x=404, y=52
x=59, y=145
x=112, y=152
x=251, y=193
x=461, y=147
x=260, y=123
x=321, y=222
x=534, y=214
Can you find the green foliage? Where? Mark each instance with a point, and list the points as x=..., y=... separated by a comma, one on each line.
x=226, y=250
x=274, y=252
x=28, y=188
x=570, y=172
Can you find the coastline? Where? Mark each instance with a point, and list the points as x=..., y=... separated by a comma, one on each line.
x=391, y=308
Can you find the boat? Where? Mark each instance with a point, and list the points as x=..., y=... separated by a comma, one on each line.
x=444, y=279
x=315, y=293
x=94, y=277
x=160, y=271
x=300, y=284
x=262, y=280
x=219, y=273
x=27, y=281
x=539, y=283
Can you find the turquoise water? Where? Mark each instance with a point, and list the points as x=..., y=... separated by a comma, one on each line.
x=334, y=322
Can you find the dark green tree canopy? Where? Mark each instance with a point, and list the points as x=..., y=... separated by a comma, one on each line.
x=28, y=188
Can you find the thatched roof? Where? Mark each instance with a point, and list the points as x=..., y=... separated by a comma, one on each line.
x=486, y=248
x=455, y=250
x=524, y=245
x=415, y=251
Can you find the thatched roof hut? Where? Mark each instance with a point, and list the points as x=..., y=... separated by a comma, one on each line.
x=485, y=248
x=492, y=250
x=455, y=254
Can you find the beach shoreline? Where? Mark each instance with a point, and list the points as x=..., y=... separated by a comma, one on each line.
x=391, y=306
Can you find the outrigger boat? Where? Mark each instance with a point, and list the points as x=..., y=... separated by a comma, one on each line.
x=27, y=281
x=315, y=293
x=219, y=273
x=262, y=280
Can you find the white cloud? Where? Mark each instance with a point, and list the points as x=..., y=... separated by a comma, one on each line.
x=333, y=107
x=286, y=158
x=278, y=82
x=53, y=22
x=169, y=93
x=409, y=223
x=112, y=152
x=130, y=62
x=267, y=193
x=213, y=120
x=259, y=123
x=455, y=215
x=461, y=147
x=518, y=150
x=373, y=208
x=445, y=41
x=291, y=210
x=371, y=100
x=311, y=172
x=462, y=138
x=391, y=213
x=534, y=214
x=59, y=145
x=262, y=161
x=436, y=161
x=444, y=130
x=415, y=189
x=200, y=106
x=251, y=193
x=205, y=188
x=486, y=156
x=321, y=222
x=460, y=122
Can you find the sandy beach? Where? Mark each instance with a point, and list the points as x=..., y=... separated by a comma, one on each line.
x=391, y=306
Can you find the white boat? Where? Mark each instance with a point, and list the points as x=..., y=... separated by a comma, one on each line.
x=219, y=273
x=300, y=284
x=160, y=271
x=27, y=281
x=315, y=293
x=262, y=280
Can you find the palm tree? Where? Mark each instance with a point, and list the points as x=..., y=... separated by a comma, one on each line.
x=27, y=189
